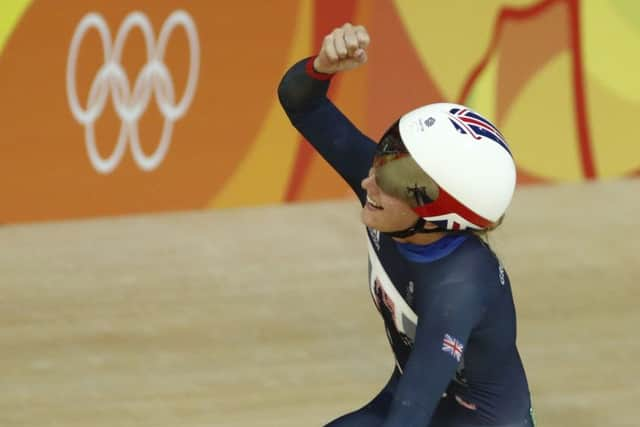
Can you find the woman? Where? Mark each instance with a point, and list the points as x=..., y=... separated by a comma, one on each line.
x=440, y=177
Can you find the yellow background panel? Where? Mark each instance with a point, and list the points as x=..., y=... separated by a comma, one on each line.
x=541, y=124
x=483, y=95
x=451, y=37
x=610, y=48
x=611, y=35
x=10, y=13
x=616, y=151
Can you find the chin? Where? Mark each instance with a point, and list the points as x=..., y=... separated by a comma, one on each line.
x=372, y=223
x=366, y=219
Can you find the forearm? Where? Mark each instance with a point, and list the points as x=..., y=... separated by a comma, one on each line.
x=303, y=95
x=419, y=392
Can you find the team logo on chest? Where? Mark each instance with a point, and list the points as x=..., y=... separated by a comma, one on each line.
x=389, y=301
x=375, y=236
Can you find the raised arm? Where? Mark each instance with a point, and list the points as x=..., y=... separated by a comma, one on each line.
x=303, y=95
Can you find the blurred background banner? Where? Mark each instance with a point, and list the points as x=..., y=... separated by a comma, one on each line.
x=114, y=107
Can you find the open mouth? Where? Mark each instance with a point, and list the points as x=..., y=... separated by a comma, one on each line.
x=372, y=204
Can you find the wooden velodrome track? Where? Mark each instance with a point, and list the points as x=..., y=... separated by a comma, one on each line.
x=262, y=317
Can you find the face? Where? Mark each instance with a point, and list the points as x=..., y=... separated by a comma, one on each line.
x=382, y=211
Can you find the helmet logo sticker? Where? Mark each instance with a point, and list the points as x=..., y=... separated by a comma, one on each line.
x=420, y=123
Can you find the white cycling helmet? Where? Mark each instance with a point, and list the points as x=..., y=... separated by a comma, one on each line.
x=450, y=164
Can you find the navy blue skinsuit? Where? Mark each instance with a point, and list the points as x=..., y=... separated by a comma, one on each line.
x=458, y=366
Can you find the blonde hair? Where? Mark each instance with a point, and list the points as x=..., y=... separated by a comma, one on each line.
x=484, y=234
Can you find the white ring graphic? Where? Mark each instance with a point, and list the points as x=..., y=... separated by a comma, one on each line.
x=130, y=105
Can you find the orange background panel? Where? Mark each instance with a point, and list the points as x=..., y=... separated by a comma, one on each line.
x=43, y=145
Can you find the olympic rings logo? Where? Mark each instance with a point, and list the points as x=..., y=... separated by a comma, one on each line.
x=130, y=104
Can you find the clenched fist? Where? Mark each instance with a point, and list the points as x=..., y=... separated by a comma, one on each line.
x=345, y=48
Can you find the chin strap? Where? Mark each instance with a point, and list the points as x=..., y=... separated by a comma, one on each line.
x=416, y=228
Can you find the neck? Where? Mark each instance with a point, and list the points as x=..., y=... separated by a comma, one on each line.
x=421, y=238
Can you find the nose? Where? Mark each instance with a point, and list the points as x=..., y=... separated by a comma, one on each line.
x=369, y=183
